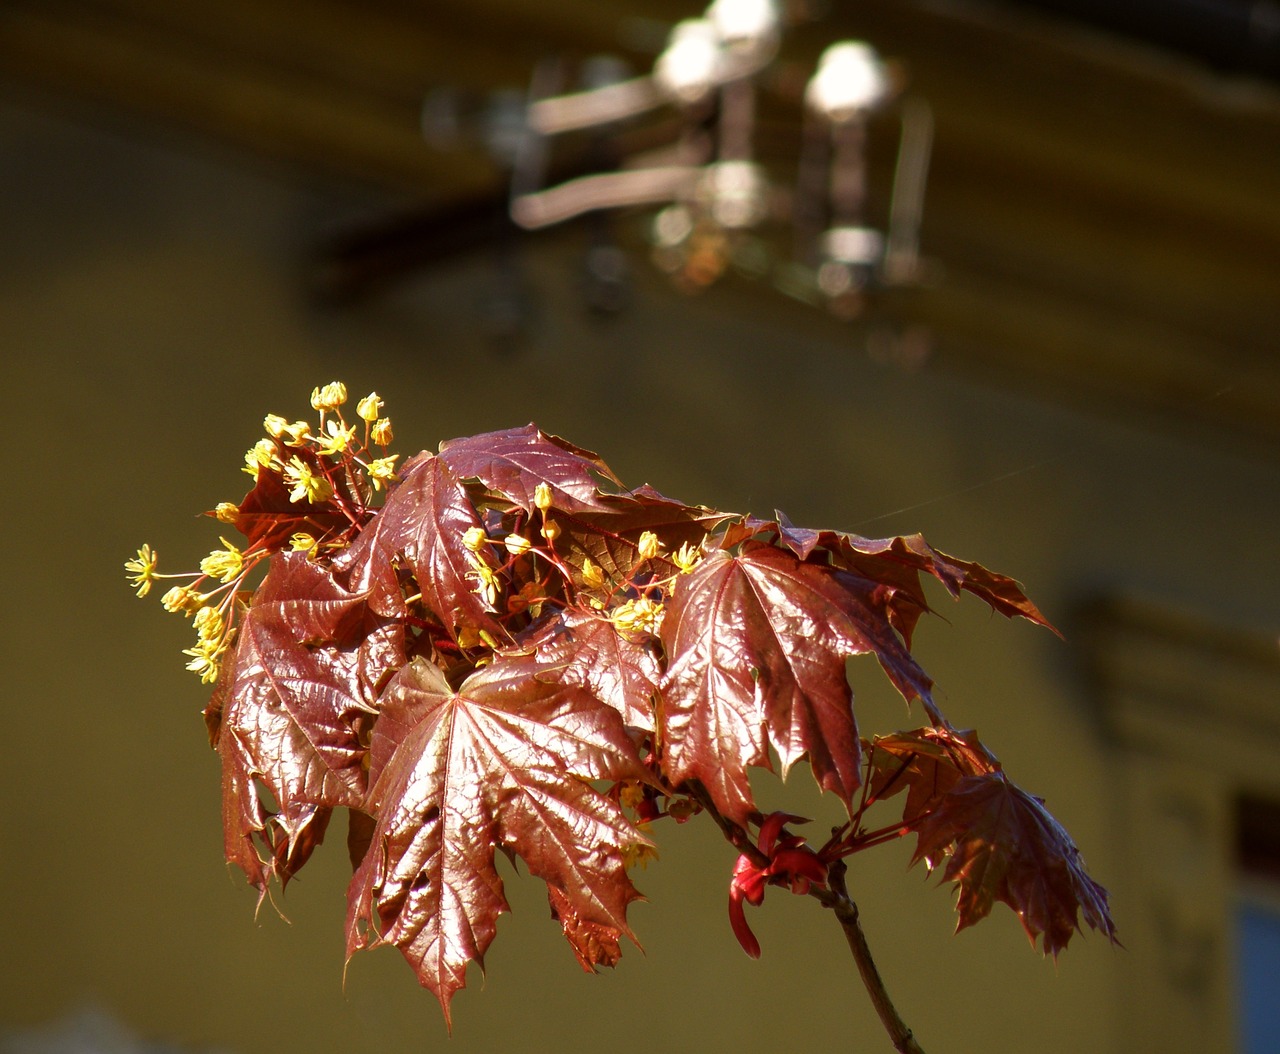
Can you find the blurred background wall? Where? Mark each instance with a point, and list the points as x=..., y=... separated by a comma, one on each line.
x=1085, y=397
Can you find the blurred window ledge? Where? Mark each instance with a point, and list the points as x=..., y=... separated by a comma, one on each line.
x=1192, y=714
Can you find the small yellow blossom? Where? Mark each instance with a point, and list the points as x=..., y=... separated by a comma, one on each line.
x=474, y=538
x=330, y=397
x=336, y=438
x=550, y=530
x=227, y=512
x=517, y=544
x=274, y=425
x=295, y=434
x=381, y=432
x=223, y=564
x=182, y=600
x=260, y=455
x=630, y=794
x=637, y=616
x=205, y=658
x=209, y=624
x=592, y=576
x=687, y=557
x=369, y=406
x=306, y=484
x=142, y=569
x=382, y=471
x=648, y=545
x=542, y=496
x=638, y=854
x=487, y=582
x=301, y=542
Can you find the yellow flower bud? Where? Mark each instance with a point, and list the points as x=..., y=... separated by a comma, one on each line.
x=260, y=455
x=301, y=542
x=640, y=615
x=208, y=623
x=369, y=406
x=550, y=530
x=296, y=434
x=542, y=496
x=517, y=544
x=487, y=582
x=227, y=512
x=382, y=471
x=182, y=600
x=592, y=576
x=648, y=545
x=330, y=397
x=474, y=538
x=381, y=432
x=274, y=425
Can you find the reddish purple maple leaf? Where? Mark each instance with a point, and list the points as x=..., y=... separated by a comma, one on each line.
x=291, y=709
x=897, y=563
x=503, y=762
x=421, y=526
x=1000, y=843
x=514, y=462
x=586, y=649
x=756, y=645
x=927, y=763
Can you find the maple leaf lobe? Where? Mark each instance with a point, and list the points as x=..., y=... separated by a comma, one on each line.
x=503, y=761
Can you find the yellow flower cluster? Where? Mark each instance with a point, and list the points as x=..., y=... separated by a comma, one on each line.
x=214, y=633
x=333, y=439
x=307, y=459
x=213, y=638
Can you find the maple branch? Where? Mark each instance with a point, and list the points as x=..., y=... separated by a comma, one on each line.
x=846, y=911
x=735, y=834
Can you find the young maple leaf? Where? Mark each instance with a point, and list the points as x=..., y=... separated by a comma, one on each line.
x=897, y=563
x=424, y=520
x=515, y=461
x=927, y=763
x=504, y=762
x=303, y=681
x=756, y=645
x=586, y=649
x=997, y=841
x=1001, y=843
x=593, y=943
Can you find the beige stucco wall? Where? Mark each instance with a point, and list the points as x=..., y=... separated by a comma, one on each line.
x=151, y=313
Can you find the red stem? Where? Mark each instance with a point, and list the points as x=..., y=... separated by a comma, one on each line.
x=836, y=897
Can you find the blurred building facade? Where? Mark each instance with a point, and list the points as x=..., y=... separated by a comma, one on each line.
x=1086, y=396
